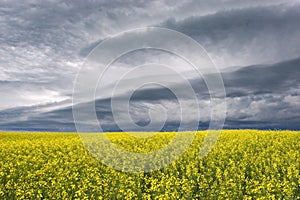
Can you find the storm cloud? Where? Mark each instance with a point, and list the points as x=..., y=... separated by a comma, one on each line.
x=254, y=44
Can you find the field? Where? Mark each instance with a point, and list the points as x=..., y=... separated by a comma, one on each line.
x=244, y=164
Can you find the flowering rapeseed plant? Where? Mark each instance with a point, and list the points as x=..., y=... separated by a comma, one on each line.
x=244, y=164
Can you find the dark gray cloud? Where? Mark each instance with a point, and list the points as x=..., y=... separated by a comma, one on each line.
x=252, y=35
x=278, y=78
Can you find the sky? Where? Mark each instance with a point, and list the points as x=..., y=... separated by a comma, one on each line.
x=254, y=44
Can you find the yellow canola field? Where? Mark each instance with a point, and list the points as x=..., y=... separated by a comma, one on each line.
x=244, y=164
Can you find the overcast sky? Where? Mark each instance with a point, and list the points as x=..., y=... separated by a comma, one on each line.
x=255, y=45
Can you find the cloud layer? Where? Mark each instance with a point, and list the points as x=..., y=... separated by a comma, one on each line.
x=255, y=44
